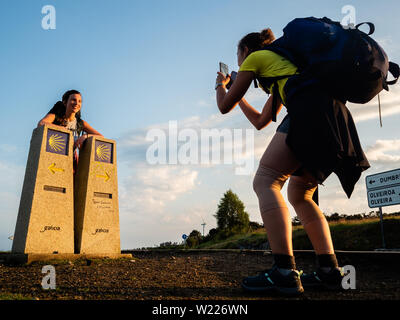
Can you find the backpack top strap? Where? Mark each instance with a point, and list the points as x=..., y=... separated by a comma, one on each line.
x=394, y=69
x=371, y=27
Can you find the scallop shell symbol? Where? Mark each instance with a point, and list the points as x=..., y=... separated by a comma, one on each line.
x=56, y=142
x=102, y=152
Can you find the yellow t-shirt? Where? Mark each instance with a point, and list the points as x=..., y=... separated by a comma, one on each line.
x=265, y=63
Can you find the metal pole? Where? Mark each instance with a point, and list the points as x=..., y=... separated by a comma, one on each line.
x=383, y=236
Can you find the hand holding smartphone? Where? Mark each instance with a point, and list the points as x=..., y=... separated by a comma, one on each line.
x=223, y=68
x=233, y=77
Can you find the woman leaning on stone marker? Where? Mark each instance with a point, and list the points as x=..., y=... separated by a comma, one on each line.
x=304, y=148
x=67, y=114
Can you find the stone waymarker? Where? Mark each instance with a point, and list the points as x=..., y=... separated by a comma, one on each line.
x=96, y=199
x=45, y=222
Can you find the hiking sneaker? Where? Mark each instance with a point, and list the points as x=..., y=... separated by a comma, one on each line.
x=331, y=280
x=272, y=280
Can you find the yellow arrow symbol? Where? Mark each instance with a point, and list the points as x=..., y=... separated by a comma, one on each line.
x=106, y=177
x=53, y=168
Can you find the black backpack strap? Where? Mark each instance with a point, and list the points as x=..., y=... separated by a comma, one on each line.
x=266, y=83
x=275, y=94
x=395, y=71
x=371, y=27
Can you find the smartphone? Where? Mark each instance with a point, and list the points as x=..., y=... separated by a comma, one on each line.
x=233, y=77
x=223, y=68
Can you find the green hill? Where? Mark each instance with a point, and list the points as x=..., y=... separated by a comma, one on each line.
x=354, y=235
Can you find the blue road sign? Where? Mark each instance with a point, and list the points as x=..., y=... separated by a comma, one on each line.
x=383, y=189
x=184, y=236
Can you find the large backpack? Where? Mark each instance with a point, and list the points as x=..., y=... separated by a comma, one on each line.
x=347, y=61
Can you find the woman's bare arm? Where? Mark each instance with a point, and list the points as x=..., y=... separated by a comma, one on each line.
x=48, y=119
x=90, y=130
x=259, y=120
x=226, y=101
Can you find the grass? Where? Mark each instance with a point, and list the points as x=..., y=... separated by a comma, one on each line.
x=255, y=238
x=346, y=235
x=13, y=296
x=357, y=235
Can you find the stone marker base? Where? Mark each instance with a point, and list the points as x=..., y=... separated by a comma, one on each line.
x=27, y=258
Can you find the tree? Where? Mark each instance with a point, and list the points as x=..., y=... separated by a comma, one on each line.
x=194, y=239
x=253, y=225
x=211, y=235
x=231, y=217
x=334, y=217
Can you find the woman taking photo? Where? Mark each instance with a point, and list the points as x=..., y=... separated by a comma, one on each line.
x=316, y=138
x=67, y=114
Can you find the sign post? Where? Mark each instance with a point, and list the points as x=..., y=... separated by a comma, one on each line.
x=383, y=189
x=184, y=237
x=383, y=234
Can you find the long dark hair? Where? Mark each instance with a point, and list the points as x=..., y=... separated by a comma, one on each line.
x=65, y=98
x=61, y=105
x=256, y=40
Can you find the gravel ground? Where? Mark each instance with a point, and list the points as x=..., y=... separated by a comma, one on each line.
x=188, y=275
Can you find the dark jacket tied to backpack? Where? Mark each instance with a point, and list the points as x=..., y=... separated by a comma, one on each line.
x=336, y=65
x=323, y=136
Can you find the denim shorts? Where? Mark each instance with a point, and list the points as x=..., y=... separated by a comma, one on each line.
x=284, y=125
x=284, y=128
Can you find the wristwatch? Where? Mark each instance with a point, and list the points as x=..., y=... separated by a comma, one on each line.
x=218, y=84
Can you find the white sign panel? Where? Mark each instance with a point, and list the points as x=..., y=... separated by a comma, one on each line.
x=383, y=189
x=383, y=179
x=384, y=197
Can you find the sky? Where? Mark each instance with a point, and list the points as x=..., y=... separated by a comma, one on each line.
x=144, y=65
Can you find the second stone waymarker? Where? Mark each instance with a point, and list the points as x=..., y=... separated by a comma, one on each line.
x=96, y=199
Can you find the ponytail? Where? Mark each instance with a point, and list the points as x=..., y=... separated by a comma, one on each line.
x=257, y=40
x=267, y=37
x=59, y=104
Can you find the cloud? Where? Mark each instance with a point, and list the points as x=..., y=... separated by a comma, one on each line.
x=383, y=155
x=151, y=208
x=7, y=148
x=256, y=96
x=204, y=103
x=159, y=203
x=150, y=188
x=10, y=193
x=390, y=105
x=213, y=136
x=389, y=45
x=379, y=152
